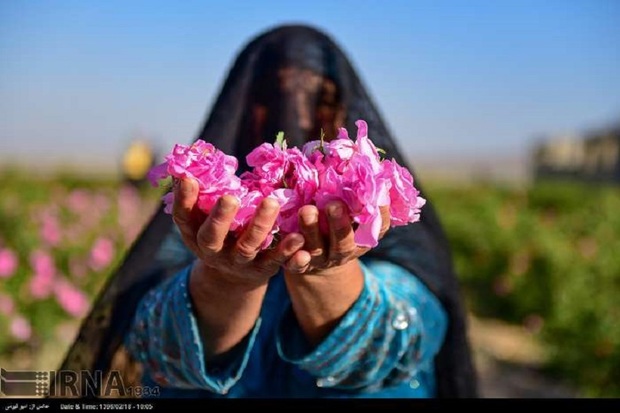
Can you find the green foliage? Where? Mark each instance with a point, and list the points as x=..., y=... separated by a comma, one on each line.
x=82, y=212
x=546, y=256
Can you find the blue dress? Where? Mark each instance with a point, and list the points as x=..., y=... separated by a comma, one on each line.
x=384, y=346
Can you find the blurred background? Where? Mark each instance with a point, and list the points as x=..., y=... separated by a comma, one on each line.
x=508, y=111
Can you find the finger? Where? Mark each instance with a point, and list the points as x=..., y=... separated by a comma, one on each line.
x=254, y=235
x=183, y=213
x=212, y=233
x=342, y=243
x=385, y=220
x=285, y=250
x=309, y=226
x=299, y=262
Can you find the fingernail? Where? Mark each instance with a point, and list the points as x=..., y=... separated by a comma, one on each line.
x=297, y=240
x=305, y=262
x=297, y=267
x=185, y=186
x=270, y=204
x=227, y=203
x=335, y=211
x=309, y=218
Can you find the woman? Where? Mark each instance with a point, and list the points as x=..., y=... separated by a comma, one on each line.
x=315, y=317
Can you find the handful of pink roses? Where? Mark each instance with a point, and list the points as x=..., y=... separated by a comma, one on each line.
x=342, y=169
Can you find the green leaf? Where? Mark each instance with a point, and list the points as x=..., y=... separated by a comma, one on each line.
x=382, y=153
x=165, y=183
x=321, y=147
x=280, y=141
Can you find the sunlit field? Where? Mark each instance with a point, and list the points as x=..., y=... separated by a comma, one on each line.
x=544, y=258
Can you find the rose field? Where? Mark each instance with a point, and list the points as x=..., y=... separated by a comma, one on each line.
x=543, y=257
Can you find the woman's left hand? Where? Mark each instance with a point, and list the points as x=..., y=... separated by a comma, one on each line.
x=321, y=253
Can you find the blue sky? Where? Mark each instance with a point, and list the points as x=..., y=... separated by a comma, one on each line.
x=79, y=79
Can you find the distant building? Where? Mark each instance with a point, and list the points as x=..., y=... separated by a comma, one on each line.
x=593, y=157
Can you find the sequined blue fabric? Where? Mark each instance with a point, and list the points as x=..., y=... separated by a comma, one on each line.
x=383, y=347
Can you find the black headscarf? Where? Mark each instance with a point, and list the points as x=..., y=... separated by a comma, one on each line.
x=297, y=80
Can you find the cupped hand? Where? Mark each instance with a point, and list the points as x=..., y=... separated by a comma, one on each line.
x=236, y=259
x=323, y=252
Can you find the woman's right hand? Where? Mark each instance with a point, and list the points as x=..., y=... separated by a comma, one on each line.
x=235, y=260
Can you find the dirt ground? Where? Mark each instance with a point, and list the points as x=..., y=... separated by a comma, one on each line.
x=508, y=359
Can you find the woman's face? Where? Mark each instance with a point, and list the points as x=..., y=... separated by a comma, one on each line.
x=315, y=99
x=310, y=98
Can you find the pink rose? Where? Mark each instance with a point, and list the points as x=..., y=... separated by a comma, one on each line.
x=101, y=254
x=289, y=178
x=290, y=202
x=21, y=328
x=247, y=208
x=352, y=173
x=211, y=168
x=168, y=202
x=360, y=193
x=70, y=298
x=321, y=172
x=405, y=199
x=269, y=163
x=8, y=262
x=50, y=230
x=366, y=147
x=44, y=269
x=253, y=182
x=339, y=151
